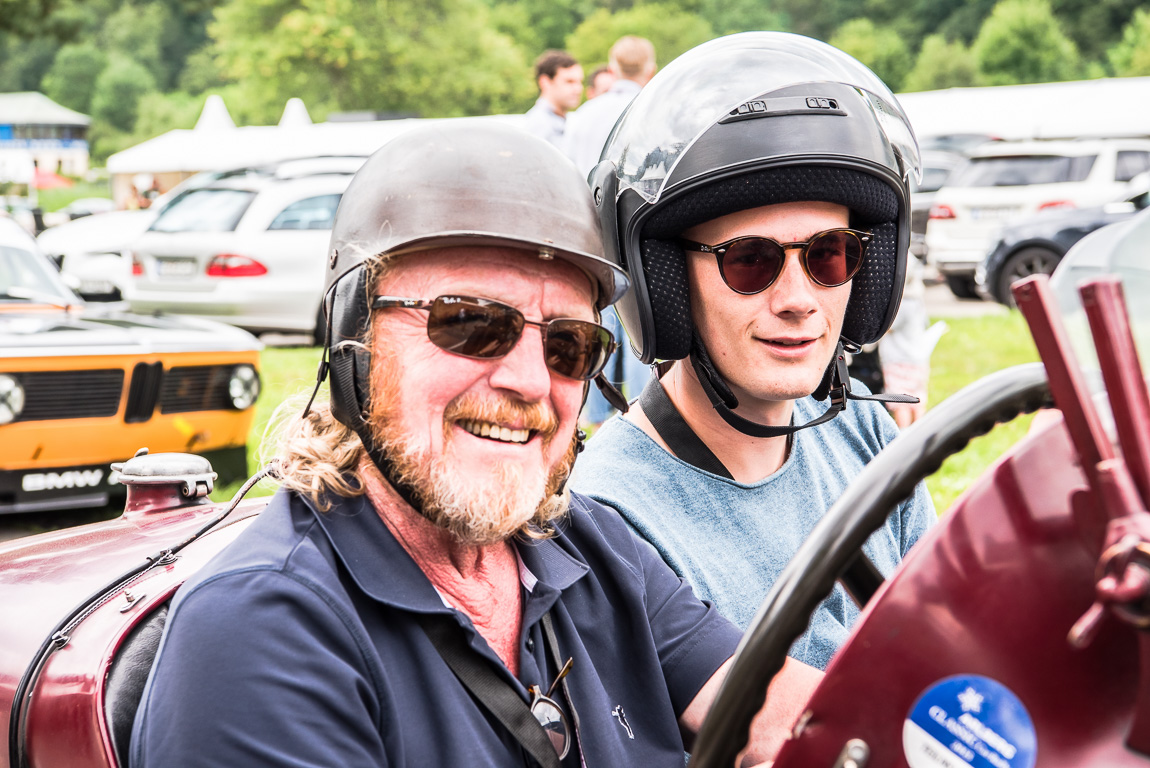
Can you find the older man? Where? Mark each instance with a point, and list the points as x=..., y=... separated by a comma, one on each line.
x=424, y=591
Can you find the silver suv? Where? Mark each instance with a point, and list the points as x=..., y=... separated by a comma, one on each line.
x=1005, y=180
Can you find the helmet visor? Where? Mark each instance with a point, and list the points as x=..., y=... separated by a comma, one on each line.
x=704, y=84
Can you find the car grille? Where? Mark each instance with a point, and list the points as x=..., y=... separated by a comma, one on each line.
x=196, y=388
x=71, y=394
x=143, y=392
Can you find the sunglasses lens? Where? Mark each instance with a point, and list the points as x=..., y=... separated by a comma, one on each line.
x=554, y=724
x=750, y=265
x=834, y=257
x=473, y=327
x=576, y=349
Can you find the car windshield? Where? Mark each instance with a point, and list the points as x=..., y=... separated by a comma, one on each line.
x=1117, y=250
x=27, y=276
x=204, y=210
x=1019, y=170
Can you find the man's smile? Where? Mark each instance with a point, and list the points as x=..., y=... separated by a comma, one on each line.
x=495, y=431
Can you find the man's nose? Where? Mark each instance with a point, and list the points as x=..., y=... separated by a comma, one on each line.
x=793, y=292
x=524, y=370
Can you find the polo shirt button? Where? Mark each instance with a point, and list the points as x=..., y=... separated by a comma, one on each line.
x=530, y=645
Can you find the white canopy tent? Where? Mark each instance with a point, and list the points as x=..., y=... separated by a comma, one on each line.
x=217, y=144
x=1079, y=109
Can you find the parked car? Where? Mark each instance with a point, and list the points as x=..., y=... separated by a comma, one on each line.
x=89, y=251
x=82, y=386
x=247, y=248
x=1005, y=180
x=962, y=657
x=937, y=166
x=1037, y=243
x=78, y=209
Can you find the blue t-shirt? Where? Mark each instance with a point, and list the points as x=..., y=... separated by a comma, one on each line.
x=731, y=540
x=298, y=645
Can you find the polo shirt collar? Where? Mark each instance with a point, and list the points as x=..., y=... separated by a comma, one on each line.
x=384, y=571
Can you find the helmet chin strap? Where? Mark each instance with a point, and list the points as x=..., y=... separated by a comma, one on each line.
x=835, y=384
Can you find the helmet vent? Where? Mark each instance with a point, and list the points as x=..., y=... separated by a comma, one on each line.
x=783, y=105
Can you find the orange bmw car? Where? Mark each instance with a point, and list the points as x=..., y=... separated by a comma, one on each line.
x=81, y=387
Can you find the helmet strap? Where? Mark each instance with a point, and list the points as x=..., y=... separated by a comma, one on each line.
x=835, y=385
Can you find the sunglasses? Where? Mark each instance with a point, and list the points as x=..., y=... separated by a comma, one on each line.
x=751, y=264
x=550, y=715
x=484, y=329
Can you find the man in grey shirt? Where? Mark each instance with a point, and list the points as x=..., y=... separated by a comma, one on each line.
x=758, y=189
x=560, y=81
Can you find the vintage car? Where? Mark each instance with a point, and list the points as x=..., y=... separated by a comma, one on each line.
x=1011, y=637
x=83, y=386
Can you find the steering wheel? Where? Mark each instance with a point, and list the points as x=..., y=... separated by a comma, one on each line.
x=862, y=509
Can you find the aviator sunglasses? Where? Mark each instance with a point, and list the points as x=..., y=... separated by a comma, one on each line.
x=750, y=264
x=485, y=329
x=550, y=715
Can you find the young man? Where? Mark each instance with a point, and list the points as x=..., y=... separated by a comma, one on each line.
x=560, y=81
x=756, y=192
x=424, y=591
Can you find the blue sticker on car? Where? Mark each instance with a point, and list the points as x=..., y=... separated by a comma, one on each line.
x=969, y=721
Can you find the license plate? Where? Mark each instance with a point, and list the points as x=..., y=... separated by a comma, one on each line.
x=96, y=287
x=997, y=212
x=175, y=267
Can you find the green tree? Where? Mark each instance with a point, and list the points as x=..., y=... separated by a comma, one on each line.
x=880, y=48
x=671, y=31
x=136, y=31
x=942, y=65
x=729, y=16
x=23, y=17
x=1131, y=56
x=1022, y=42
x=437, y=58
x=1094, y=25
x=118, y=91
x=72, y=78
x=540, y=24
x=23, y=63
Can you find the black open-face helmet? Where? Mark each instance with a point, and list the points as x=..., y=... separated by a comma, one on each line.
x=739, y=122
x=475, y=182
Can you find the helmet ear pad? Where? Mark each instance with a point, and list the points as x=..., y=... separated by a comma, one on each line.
x=347, y=305
x=874, y=207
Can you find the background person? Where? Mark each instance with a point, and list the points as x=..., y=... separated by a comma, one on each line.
x=424, y=523
x=762, y=227
x=631, y=61
x=599, y=82
x=560, y=80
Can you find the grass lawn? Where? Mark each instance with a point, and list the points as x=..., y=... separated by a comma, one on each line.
x=57, y=198
x=971, y=349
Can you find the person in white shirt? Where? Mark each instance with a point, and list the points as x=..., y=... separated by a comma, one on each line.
x=560, y=81
x=632, y=61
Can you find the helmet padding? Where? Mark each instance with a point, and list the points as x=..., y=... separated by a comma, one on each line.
x=873, y=206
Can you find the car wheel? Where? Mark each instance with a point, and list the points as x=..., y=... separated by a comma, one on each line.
x=1027, y=262
x=962, y=286
x=862, y=509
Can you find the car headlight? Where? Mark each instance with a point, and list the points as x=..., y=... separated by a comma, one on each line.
x=243, y=386
x=11, y=399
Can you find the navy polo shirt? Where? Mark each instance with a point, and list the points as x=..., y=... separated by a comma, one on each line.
x=297, y=645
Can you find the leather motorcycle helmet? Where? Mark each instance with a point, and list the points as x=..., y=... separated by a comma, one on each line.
x=453, y=182
x=742, y=121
